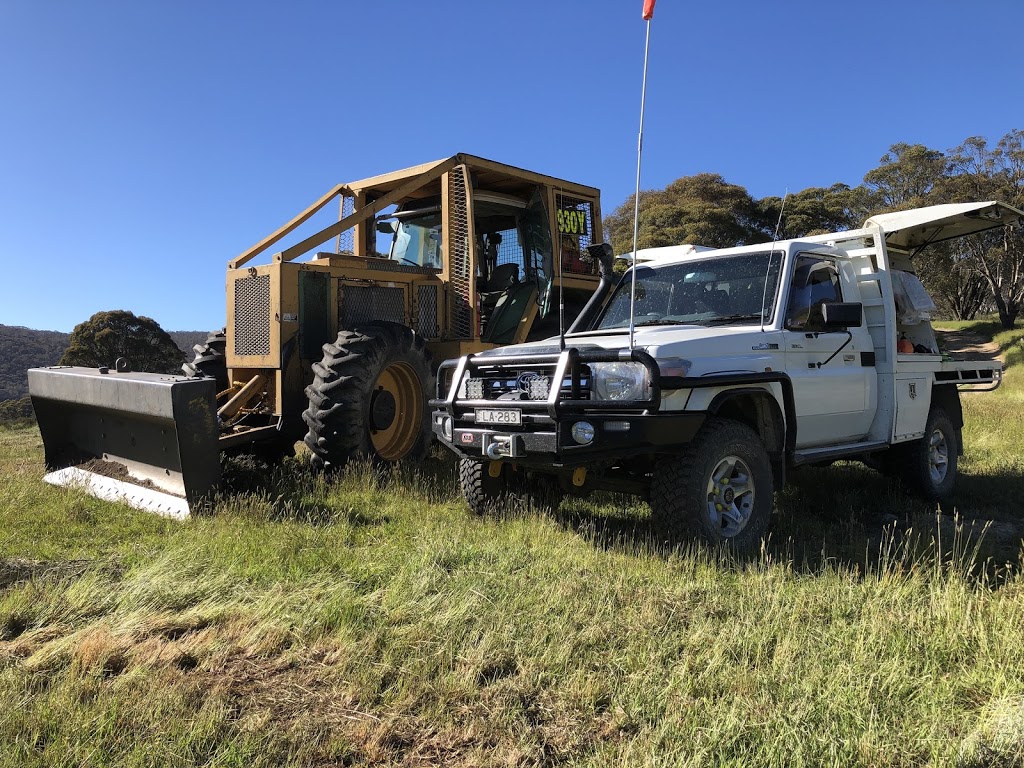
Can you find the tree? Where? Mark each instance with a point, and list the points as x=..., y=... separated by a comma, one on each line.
x=815, y=210
x=906, y=178
x=910, y=176
x=702, y=210
x=16, y=413
x=106, y=336
x=977, y=172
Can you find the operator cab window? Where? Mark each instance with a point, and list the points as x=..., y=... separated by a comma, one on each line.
x=815, y=282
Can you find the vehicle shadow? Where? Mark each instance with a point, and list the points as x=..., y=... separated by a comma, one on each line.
x=843, y=517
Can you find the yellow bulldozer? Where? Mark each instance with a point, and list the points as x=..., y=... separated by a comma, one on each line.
x=338, y=349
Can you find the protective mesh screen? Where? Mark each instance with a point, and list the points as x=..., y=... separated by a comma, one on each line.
x=575, y=221
x=357, y=305
x=252, y=315
x=345, y=242
x=426, y=300
x=459, y=245
x=510, y=250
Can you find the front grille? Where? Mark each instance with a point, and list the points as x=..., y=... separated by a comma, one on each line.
x=252, y=315
x=358, y=305
x=522, y=383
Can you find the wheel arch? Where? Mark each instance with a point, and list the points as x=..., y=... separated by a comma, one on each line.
x=757, y=408
x=947, y=398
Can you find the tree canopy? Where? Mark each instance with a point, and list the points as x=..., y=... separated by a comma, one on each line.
x=965, y=277
x=106, y=336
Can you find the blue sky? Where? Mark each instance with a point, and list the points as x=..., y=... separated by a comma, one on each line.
x=144, y=144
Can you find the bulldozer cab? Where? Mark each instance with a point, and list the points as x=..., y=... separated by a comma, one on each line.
x=497, y=237
x=336, y=339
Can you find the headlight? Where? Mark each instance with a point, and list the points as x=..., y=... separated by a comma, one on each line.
x=620, y=381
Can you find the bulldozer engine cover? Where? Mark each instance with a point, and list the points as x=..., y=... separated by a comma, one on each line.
x=143, y=438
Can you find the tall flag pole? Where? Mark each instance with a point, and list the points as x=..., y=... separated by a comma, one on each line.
x=648, y=15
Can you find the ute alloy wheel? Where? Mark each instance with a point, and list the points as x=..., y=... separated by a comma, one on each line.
x=938, y=457
x=369, y=397
x=930, y=463
x=730, y=499
x=720, y=489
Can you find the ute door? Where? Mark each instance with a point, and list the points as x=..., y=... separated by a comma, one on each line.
x=834, y=386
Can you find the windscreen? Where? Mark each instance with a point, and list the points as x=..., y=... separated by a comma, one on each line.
x=715, y=291
x=417, y=241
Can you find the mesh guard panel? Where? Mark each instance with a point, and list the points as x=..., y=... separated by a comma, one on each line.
x=575, y=235
x=345, y=242
x=358, y=305
x=252, y=315
x=426, y=300
x=459, y=245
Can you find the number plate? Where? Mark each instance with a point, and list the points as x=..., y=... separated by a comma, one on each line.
x=504, y=416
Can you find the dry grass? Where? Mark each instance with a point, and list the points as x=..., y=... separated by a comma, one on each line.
x=368, y=621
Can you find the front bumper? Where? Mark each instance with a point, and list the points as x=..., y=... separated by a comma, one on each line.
x=617, y=436
x=544, y=438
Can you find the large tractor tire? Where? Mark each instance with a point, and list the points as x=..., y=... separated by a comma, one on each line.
x=719, y=490
x=210, y=361
x=369, y=397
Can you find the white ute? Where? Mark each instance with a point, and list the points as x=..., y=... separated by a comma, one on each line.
x=746, y=362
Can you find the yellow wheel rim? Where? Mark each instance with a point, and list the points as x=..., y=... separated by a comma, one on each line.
x=396, y=412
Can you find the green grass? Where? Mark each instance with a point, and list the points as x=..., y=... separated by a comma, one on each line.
x=361, y=621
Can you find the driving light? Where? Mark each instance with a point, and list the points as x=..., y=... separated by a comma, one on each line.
x=620, y=381
x=446, y=428
x=616, y=426
x=583, y=432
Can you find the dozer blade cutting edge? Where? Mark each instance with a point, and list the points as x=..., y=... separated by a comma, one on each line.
x=147, y=439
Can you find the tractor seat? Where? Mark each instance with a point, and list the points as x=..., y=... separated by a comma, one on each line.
x=502, y=278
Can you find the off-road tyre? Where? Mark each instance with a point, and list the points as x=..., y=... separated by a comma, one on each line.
x=369, y=397
x=484, y=494
x=210, y=361
x=681, y=496
x=510, y=491
x=929, y=464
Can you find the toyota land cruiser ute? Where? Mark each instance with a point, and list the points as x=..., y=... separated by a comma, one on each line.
x=723, y=370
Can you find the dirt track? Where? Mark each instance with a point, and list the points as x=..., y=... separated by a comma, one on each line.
x=964, y=345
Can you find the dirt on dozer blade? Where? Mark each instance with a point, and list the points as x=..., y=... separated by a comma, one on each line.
x=161, y=429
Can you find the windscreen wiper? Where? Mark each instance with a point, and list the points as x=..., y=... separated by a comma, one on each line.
x=723, y=319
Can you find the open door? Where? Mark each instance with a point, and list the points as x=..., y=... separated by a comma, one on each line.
x=913, y=230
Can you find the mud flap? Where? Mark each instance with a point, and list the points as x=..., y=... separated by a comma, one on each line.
x=147, y=439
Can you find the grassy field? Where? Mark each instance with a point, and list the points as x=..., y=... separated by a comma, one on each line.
x=366, y=621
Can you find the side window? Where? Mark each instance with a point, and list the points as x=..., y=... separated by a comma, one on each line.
x=815, y=282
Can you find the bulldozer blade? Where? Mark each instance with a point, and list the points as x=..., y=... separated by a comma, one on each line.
x=147, y=439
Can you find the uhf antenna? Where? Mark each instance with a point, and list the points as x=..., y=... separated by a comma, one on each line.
x=771, y=254
x=648, y=15
x=560, y=200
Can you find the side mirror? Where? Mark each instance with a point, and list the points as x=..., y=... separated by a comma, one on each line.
x=387, y=227
x=840, y=315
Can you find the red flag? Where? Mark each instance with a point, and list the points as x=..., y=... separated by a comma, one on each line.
x=649, y=9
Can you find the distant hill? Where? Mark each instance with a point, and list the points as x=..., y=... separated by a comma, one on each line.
x=23, y=348
x=188, y=339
